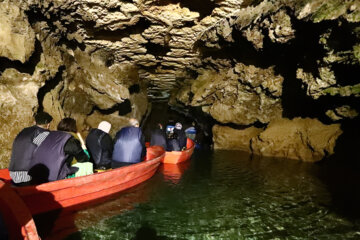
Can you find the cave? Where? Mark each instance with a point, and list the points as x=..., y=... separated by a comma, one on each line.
x=271, y=88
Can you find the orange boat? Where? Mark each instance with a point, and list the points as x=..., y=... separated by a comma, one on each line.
x=173, y=172
x=16, y=216
x=73, y=193
x=176, y=157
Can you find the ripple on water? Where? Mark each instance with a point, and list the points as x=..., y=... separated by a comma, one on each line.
x=228, y=195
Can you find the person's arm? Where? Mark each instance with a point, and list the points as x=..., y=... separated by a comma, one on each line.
x=73, y=148
x=142, y=140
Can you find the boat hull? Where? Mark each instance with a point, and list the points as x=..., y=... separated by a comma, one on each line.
x=73, y=193
x=18, y=220
x=176, y=157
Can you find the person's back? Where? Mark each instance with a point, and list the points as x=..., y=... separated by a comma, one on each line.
x=24, y=146
x=129, y=147
x=172, y=143
x=100, y=145
x=191, y=132
x=181, y=136
x=158, y=137
x=60, y=155
x=49, y=159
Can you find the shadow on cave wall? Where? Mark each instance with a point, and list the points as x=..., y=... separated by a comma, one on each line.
x=302, y=52
x=27, y=67
x=49, y=85
x=203, y=7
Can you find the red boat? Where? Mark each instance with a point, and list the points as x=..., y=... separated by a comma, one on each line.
x=74, y=192
x=16, y=216
x=176, y=157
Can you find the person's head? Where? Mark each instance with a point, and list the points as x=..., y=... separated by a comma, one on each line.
x=178, y=126
x=67, y=125
x=43, y=119
x=134, y=122
x=104, y=126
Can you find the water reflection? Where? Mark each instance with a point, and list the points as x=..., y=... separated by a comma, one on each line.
x=58, y=225
x=231, y=195
x=172, y=172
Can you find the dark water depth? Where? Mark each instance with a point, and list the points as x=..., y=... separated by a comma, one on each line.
x=228, y=195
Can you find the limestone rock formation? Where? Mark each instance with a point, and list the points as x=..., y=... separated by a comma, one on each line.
x=229, y=94
x=17, y=38
x=304, y=139
x=229, y=138
x=242, y=62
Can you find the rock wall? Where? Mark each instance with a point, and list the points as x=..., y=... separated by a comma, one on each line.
x=242, y=62
x=306, y=139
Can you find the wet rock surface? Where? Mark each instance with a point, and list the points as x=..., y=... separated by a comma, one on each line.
x=242, y=62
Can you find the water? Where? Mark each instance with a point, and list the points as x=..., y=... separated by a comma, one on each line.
x=229, y=195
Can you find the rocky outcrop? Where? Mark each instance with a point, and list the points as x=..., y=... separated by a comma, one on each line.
x=241, y=95
x=17, y=38
x=230, y=139
x=306, y=139
x=240, y=62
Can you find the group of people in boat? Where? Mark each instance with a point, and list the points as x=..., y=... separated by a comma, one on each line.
x=40, y=155
x=173, y=138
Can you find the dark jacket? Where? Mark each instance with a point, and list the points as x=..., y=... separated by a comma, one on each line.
x=172, y=143
x=23, y=148
x=129, y=145
x=158, y=138
x=49, y=159
x=100, y=146
x=74, y=150
x=181, y=136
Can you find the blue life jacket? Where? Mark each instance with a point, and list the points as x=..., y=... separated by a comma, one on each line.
x=49, y=158
x=158, y=138
x=129, y=145
x=23, y=148
x=100, y=146
x=169, y=128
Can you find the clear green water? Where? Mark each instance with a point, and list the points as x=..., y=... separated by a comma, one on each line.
x=227, y=195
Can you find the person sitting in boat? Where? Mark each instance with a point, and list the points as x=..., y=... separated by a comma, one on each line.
x=158, y=136
x=172, y=142
x=60, y=155
x=191, y=131
x=23, y=148
x=181, y=136
x=100, y=145
x=170, y=127
x=129, y=147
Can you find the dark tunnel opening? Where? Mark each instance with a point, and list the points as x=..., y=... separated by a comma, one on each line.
x=304, y=51
x=49, y=85
x=123, y=108
x=135, y=88
x=27, y=67
x=203, y=7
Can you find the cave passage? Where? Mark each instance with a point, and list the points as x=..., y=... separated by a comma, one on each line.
x=304, y=51
x=27, y=67
x=123, y=108
x=203, y=7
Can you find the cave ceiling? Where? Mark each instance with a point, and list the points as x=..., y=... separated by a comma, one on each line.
x=241, y=61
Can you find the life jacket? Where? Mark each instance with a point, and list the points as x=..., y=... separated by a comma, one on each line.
x=23, y=148
x=172, y=144
x=128, y=145
x=50, y=156
x=158, y=138
x=190, y=133
x=181, y=137
x=100, y=156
